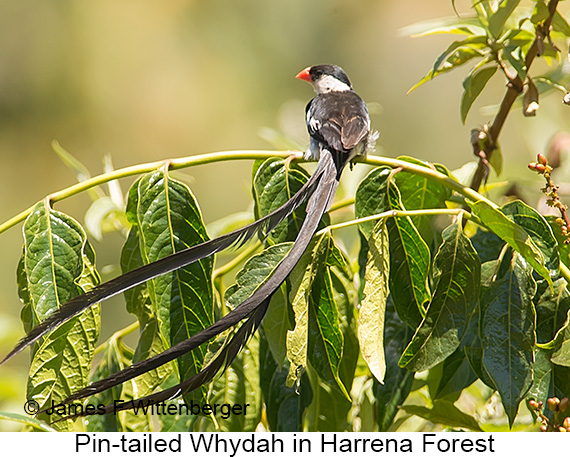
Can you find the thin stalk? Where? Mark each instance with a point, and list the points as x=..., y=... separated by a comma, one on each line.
x=223, y=156
x=398, y=213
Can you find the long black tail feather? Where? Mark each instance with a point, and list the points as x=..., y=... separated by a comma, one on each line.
x=222, y=361
x=318, y=203
x=166, y=265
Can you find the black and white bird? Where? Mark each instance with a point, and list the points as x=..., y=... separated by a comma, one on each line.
x=339, y=128
x=337, y=118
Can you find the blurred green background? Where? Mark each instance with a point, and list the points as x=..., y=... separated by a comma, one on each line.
x=146, y=80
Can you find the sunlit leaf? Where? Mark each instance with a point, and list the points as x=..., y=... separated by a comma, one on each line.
x=371, y=197
x=57, y=264
x=27, y=420
x=516, y=58
x=454, y=24
x=373, y=306
x=514, y=235
x=499, y=18
x=139, y=303
x=169, y=220
x=458, y=53
x=297, y=339
x=538, y=229
x=117, y=356
x=276, y=324
x=473, y=85
x=560, y=24
x=275, y=182
x=540, y=12
x=418, y=192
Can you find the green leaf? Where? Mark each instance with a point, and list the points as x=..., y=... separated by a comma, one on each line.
x=325, y=339
x=540, y=12
x=103, y=216
x=397, y=381
x=445, y=413
x=508, y=332
x=487, y=244
x=168, y=220
x=458, y=53
x=514, y=235
x=139, y=303
x=284, y=406
x=301, y=279
x=276, y=324
x=27, y=420
x=275, y=182
x=371, y=197
x=328, y=412
x=57, y=264
x=455, y=372
x=559, y=24
x=409, y=265
x=344, y=295
x=561, y=354
x=79, y=169
x=538, y=229
x=473, y=85
x=239, y=385
x=541, y=376
x=373, y=306
x=454, y=24
x=117, y=356
x=516, y=58
x=255, y=272
x=418, y=192
x=317, y=337
x=560, y=382
x=456, y=375
x=457, y=276
x=552, y=306
x=499, y=18
x=484, y=12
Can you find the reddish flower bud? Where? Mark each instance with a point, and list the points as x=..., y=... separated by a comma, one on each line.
x=553, y=403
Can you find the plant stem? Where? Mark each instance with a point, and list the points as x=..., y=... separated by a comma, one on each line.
x=118, y=335
x=223, y=156
x=236, y=261
x=398, y=213
x=514, y=88
x=134, y=170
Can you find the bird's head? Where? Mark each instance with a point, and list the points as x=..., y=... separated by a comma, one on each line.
x=326, y=78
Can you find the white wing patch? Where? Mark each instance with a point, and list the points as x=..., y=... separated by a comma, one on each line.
x=314, y=124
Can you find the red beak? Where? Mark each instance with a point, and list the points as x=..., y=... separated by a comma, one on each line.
x=305, y=75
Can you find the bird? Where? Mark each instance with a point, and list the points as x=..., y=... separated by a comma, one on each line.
x=337, y=118
x=338, y=124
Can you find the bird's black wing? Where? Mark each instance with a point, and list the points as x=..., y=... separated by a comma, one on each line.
x=338, y=120
x=253, y=308
x=165, y=265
